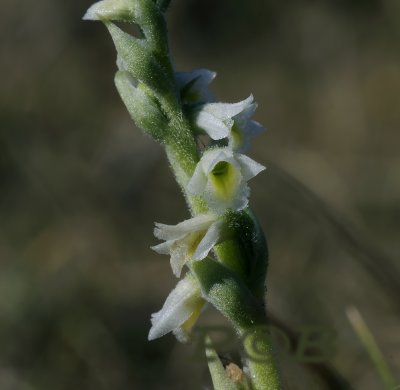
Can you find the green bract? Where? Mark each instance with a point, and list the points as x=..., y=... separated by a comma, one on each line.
x=142, y=105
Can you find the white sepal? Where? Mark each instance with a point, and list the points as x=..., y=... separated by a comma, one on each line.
x=180, y=310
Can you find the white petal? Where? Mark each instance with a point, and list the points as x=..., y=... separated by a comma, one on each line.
x=175, y=232
x=198, y=181
x=249, y=167
x=209, y=240
x=228, y=110
x=163, y=248
x=241, y=199
x=178, y=258
x=214, y=126
x=178, y=307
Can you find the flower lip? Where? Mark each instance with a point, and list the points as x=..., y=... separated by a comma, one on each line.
x=221, y=178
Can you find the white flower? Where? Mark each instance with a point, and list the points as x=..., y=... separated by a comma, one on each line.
x=232, y=121
x=180, y=311
x=221, y=179
x=216, y=119
x=194, y=85
x=190, y=239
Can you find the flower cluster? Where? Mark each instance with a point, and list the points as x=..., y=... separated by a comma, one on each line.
x=148, y=86
x=220, y=179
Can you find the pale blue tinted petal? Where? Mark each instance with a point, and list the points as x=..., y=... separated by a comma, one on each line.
x=203, y=78
x=249, y=167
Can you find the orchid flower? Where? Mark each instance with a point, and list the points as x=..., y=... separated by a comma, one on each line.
x=179, y=312
x=221, y=178
x=190, y=239
x=216, y=119
x=232, y=121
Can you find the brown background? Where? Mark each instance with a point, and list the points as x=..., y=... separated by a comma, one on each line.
x=80, y=188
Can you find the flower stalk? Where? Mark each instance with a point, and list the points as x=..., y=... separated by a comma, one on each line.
x=221, y=247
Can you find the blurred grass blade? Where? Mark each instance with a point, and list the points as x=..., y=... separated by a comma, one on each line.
x=368, y=341
x=219, y=376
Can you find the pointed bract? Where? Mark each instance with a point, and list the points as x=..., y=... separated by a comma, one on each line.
x=141, y=104
x=119, y=10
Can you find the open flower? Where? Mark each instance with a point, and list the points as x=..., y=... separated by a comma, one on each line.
x=221, y=179
x=194, y=85
x=217, y=119
x=180, y=311
x=232, y=121
x=190, y=239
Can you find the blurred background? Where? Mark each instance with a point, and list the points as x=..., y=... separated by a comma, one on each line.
x=80, y=188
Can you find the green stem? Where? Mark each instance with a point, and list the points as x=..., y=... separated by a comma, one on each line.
x=228, y=294
x=260, y=358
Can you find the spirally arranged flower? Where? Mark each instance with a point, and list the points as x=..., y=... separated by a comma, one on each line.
x=204, y=141
x=221, y=179
x=180, y=311
x=229, y=120
x=216, y=119
x=190, y=239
